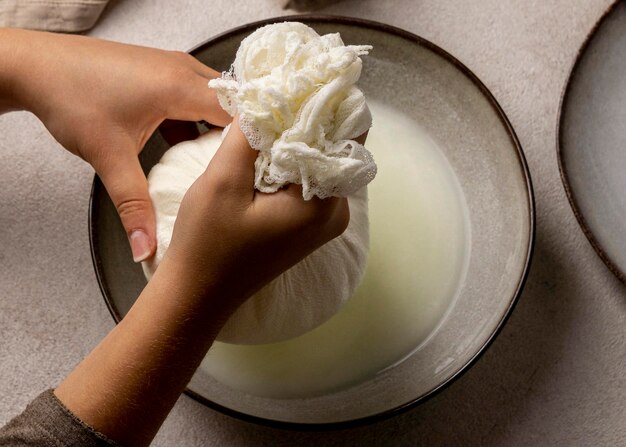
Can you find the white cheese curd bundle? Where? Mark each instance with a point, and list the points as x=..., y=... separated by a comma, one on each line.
x=299, y=107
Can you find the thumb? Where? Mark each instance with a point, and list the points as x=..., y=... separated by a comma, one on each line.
x=128, y=188
x=233, y=163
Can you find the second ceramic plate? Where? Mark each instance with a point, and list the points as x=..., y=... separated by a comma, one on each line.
x=592, y=138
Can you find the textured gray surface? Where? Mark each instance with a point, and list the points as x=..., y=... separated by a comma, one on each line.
x=555, y=375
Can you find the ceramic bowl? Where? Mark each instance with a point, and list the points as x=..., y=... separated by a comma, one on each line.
x=592, y=138
x=456, y=109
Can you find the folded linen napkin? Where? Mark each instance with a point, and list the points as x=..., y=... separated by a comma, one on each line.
x=51, y=15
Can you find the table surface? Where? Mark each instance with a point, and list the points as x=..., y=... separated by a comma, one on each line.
x=556, y=375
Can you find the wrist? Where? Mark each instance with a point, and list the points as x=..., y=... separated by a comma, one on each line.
x=197, y=292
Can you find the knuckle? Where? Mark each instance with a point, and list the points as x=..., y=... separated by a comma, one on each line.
x=132, y=207
x=182, y=56
x=178, y=75
x=341, y=220
x=219, y=184
x=324, y=220
x=338, y=219
x=312, y=216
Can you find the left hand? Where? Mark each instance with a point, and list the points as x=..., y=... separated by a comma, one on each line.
x=102, y=101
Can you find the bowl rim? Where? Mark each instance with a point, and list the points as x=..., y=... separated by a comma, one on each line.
x=560, y=148
x=328, y=426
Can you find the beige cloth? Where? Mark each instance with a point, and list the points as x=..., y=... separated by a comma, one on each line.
x=51, y=15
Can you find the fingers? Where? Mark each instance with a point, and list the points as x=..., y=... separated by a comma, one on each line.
x=232, y=167
x=218, y=117
x=128, y=188
x=193, y=100
x=319, y=220
x=206, y=71
x=189, y=97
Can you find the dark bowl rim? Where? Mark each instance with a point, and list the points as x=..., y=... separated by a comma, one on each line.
x=560, y=148
x=328, y=426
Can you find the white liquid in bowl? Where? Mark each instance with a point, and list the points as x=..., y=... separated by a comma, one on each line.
x=419, y=248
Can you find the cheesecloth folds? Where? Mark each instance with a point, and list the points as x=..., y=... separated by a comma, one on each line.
x=298, y=105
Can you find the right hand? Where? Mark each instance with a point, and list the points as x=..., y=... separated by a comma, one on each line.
x=229, y=239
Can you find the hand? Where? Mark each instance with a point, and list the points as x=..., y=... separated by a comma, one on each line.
x=229, y=240
x=102, y=101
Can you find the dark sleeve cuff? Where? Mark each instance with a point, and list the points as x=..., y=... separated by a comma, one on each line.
x=47, y=422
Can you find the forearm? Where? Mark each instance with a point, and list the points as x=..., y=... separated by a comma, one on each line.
x=25, y=68
x=128, y=384
x=10, y=57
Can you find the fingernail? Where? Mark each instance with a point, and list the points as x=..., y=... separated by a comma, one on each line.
x=140, y=245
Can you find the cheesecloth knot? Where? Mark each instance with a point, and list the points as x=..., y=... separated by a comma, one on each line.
x=299, y=107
